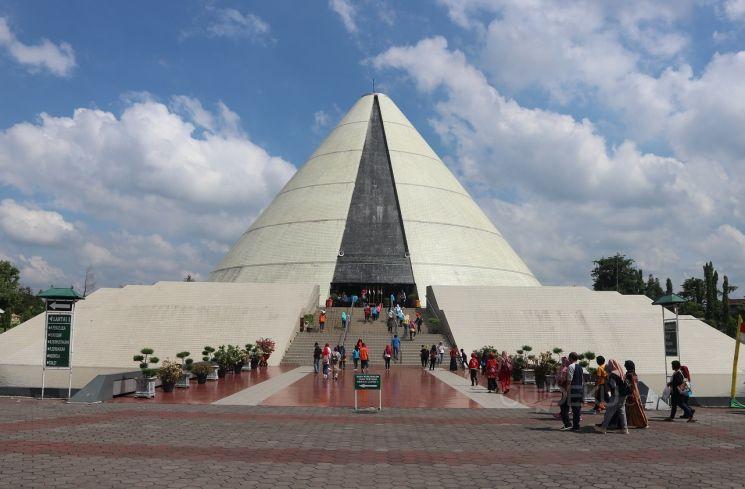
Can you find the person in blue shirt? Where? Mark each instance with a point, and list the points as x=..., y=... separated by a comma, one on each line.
x=396, y=344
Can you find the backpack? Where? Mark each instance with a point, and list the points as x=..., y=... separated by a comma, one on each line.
x=335, y=358
x=624, y=387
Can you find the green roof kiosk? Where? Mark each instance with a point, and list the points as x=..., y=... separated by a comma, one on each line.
x=59, y=304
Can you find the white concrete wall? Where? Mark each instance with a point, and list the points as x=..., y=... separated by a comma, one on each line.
x=112, y=325
x=578, y=319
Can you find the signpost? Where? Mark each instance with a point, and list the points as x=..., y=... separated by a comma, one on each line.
x=364, y=382
x=58, y=332
x=671, y=338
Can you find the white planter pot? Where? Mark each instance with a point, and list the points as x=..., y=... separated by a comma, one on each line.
x=551, y=384
x=529, y=376
x=589, y=394
x=145, y=387
x=213, y=375
x=184, y=381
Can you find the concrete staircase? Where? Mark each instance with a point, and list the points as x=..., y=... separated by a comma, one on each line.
x=374, y=334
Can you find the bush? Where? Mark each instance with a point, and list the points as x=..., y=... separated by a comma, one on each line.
x=170, y=372
x=145, y=358
x=201, y=369
x=208, y=354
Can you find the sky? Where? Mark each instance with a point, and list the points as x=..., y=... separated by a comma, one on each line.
x=141, y=139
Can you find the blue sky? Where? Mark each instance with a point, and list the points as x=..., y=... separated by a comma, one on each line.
x=582, y=128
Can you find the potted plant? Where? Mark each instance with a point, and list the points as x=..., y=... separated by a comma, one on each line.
x=529, y=370
x=201, y=370
x=266, y=345
x=545, y=370
x=146, y=383
x=518, y=365
x=236, y=356
x=186, y=364
x=308, y=320
x=223, y=361
x=208, y=355
x=169, y=373
x=253, y=354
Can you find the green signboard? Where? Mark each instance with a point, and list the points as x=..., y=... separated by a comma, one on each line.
x=366, y=382
x=59, y=327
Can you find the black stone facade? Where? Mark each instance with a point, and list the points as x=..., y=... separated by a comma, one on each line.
x=373, y=247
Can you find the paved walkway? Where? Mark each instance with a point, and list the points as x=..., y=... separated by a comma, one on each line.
x=256, y=394
x=53, y=444
x=478, y=393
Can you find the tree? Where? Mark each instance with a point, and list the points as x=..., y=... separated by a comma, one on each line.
x=617, y=273
x=653, y=290
x=725, y=314
x=693, y=290
x=89, y=282
x=668, y=287
x=9, y=283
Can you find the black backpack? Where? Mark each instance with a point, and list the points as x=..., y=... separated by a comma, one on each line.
x=624, y=387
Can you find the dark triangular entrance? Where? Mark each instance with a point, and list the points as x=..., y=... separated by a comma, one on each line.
x=373, y=247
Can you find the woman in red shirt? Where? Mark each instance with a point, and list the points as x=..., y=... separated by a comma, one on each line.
x=492, y=368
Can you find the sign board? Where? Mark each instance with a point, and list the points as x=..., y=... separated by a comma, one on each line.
x=59, y=305
x=57, y=351
x=366, y=382
x=671, y=338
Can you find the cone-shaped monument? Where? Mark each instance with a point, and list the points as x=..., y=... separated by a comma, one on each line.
x=374, y=206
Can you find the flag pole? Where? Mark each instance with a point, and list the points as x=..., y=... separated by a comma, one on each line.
x=734, y=403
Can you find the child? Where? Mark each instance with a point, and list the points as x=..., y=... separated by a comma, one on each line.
x=473, y=367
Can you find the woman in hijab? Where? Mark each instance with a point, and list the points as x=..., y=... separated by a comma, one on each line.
x=432, y=357
x=617, y=405
x=505, y=372
x=635, y=414
x=454, y=355
x=492, y=367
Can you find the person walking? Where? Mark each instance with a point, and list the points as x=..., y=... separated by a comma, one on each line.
x=424, y=356
x=617, y=404
x=575, y=393
x=322, y=321
x=601, y=389
x=326, y=359
x=463, y=359
x=412, y=330
x=391, y=321
x=356, y=356
x=635, y=415
x=440, y=353
x=484, y=359
x=367, y=312
x=492, y=367
x=418, y=322
x=454, y=355
x=387, y=354
x=473, y=368
x=396, y=344
x=335, y=360
x=505, y=372
x=364, y=358
x=432, y=357
x=343, y=361
x=317, y=358
x=678, y=398
x=344, y=319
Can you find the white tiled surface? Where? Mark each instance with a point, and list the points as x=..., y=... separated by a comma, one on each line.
x=578, y=319
x=112, y=325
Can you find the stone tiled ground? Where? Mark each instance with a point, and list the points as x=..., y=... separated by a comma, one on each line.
x=53, y=444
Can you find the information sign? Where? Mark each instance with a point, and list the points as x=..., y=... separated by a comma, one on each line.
x=671, y=338
x=366, y=382
x=59, y=329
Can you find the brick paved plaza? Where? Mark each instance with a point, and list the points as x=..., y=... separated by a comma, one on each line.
x=145, y=444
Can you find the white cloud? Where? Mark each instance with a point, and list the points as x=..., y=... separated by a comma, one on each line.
x=234, y=24
x=586, y=52
x=347, y=12
x=167, y=178
x=33, y=226
x=734, y=10
x=321, y=120
x=37, y=273
x=59, y=59
x=558, y=189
